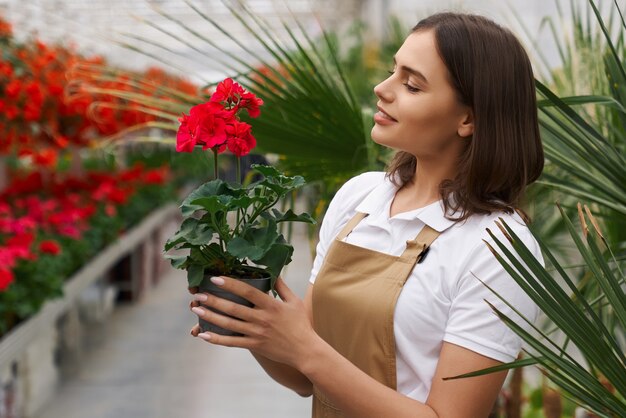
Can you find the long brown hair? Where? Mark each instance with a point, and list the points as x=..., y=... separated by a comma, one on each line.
x=492, y=74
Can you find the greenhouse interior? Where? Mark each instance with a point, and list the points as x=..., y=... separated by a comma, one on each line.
x=158, y=156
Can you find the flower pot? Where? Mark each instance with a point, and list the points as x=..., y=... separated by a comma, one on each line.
x=263, y=284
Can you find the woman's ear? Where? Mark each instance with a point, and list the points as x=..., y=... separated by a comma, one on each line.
x=466, y=127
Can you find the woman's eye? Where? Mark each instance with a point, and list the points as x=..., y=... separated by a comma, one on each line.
x=411, y=88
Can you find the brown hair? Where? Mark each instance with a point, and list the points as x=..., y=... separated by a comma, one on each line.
x=492, y=74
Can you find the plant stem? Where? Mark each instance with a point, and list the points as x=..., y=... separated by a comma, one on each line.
x=238, y=178
x=238, y=175
x=215, y=172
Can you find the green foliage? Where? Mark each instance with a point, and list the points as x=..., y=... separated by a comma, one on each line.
x=582, y=114
x=227, y=226
x=581, y=347
x=578, y=317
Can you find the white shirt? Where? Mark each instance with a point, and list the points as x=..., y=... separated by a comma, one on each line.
x=442, y=300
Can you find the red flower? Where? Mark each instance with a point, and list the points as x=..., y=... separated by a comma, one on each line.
x=46, y=158
x=20, y=245
x=156, y=176
x=12, y=89
x=186, y=135
x=110, y=210
x=71, y=231
x=6, y=278
x=234, y=97
x=20, y=240
x=205, y=125
x=227, y=91
x=32, y=112
x=50, y=247
x=240, y=140
x=119, y=196
x=11, y=112
x=251, y=103
x=132, y=174
x=7, y=257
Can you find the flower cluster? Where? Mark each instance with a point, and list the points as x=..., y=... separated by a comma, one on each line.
x=216, y=125
x=43, y=108
x=37, y=213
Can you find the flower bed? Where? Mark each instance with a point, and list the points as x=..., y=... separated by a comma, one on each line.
x=45, y=108
x=51, y=226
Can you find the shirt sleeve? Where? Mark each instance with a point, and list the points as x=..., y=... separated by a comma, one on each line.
x=472, y=323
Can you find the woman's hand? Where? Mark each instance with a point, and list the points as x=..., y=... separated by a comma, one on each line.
x=279, y=330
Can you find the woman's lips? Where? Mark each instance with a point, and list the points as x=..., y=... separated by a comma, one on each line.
x=383, y=118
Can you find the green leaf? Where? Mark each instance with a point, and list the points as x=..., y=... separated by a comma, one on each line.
x=267, y=170
x=191, y=231
x=255, y=243
x=177, y=261
x=242, y=248
x=213, y=204
x=290, y=216
x=278, y=256
x=209, y=189
x=195, y=274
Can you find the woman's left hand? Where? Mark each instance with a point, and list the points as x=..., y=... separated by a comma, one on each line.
x=278, y=329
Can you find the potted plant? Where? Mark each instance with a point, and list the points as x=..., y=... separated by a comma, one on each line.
x=231, y=229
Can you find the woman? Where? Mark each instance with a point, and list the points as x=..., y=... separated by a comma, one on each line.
x=396, y=301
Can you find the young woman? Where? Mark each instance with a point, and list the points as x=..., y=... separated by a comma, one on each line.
x=397, y=295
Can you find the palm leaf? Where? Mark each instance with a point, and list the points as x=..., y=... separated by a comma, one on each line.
x=574, y=316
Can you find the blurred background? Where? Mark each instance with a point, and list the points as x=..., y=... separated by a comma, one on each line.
x=94, y=320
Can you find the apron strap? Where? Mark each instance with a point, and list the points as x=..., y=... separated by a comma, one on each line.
x=416, y=249
x=350, y=225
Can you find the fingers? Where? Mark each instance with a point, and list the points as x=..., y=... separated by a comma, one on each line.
x=193, y=290
x=228, y=307
x=283, y=290
x=227, y=341
x=225, y=322
x=195, y=330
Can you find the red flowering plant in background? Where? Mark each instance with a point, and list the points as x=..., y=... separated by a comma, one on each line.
x=46, y=104
x=49, y=228
x=231, y=229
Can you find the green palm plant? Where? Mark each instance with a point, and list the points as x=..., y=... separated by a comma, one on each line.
x=600, y=346
x=584, y=134
x=581, y=347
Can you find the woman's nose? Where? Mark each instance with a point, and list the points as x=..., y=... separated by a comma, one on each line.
x=382, y=91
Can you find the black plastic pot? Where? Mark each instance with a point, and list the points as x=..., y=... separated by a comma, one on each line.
x=263, y=284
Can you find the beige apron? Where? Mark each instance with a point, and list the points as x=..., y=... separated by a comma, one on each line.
x=354, y=299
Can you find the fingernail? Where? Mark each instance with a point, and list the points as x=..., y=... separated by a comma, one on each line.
x=197, y=311
x=205, y=336
x=217, y=281
x=200, y=297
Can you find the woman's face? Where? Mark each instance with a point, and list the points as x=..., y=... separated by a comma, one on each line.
x=418, y=111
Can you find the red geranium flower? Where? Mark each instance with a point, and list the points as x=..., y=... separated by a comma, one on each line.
x=186, y=135
x=251, y=103
x=6, y=278
x=205, y=125
x=240, y=140
x=227, y=92
x=12, y=90
x=156, y=176
x=50, y=247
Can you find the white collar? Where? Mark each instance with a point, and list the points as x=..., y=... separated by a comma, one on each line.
x=380, y=198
